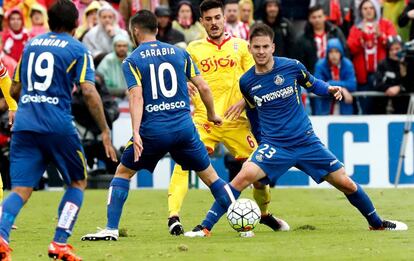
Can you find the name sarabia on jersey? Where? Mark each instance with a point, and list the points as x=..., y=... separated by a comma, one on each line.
x=49, y=42
x=157, y=52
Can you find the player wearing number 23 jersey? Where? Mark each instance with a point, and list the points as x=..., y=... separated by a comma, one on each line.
x=287, y=136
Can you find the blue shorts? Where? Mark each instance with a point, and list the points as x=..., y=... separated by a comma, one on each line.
x=31, y=153
x=314, y=159
x=184, y=146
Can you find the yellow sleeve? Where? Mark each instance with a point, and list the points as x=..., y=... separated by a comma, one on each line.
x=5, y=84
x=247, y=60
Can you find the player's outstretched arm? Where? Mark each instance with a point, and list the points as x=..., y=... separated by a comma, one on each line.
x=94, y=103
x=136, y=108
x=207, y=99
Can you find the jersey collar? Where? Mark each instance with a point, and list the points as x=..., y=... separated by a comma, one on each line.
x=227, y=37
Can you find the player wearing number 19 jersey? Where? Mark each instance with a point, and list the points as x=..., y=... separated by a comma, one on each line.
x=43, y=131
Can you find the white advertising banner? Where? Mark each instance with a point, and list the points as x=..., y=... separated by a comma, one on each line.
x=369, y=147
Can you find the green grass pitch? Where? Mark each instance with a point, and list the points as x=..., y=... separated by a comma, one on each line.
x=324, y=227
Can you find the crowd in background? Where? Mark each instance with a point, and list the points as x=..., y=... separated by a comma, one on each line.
x=361, y=45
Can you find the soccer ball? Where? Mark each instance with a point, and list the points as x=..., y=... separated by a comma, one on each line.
x=243, y=215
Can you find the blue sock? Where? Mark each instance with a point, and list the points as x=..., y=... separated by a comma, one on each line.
x=222, y=203
x=222, y=193
x=362, y=202
x=118, y=193
x=68, y=212
x=10, y=209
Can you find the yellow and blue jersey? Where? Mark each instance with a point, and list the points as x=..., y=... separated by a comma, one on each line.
x=50, y=66
x=161, y=70
x=275, y=95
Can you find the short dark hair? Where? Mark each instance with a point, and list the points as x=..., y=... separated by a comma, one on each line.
x=210, y=4
x=63, y=16
x=145, y=20
x=261, y=29
x=314, y=9
x=229, y=2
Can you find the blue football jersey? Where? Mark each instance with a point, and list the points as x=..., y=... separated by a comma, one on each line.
x=276, y=95
x=50, y=66
x=161, y=70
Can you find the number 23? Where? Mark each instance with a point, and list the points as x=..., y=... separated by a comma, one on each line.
x=270, y=151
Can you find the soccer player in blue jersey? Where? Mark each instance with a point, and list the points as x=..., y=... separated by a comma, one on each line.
x=43, y=130
x=273, y=88
x=157, y=75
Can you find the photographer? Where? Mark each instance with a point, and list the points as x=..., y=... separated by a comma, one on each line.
x=93, y=147
x=391, y=78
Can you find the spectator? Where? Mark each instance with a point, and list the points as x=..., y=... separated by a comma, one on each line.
x=99, y=38
x=259, y=12
x=233, y=25
x=391, y=79
x=38, y=18
x=338, y=70
x=1, y=18
x=367, y=42
x=311, y=45
x=297, y=12
x=81, y=5
x=15, y=35
x=391, y=11
x=165, y=31
x=338, y=12
x=246, y=12
x=284, y=34
x=90, y=19
x=128, y=8
x=406, y=16
x=187, y=23
x=111, y=66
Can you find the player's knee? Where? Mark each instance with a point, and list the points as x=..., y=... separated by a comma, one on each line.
x=208, y=176
x=341, y=181
x=124, y=172
x=349, y=186
x=23, y=192
x=79, y=184
x=247, y=176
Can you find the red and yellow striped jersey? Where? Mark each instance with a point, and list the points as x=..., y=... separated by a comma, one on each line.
x=221, y=67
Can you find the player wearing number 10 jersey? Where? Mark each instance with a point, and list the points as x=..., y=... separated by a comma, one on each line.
x=157, y=75
x=43, y=131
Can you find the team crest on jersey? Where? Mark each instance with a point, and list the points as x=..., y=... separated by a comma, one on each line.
x=279, y=80
x=259, y=157
x=236, y=47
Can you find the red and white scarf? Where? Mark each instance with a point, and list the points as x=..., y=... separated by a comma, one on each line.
x=370, y=41
x=320, y=40
x=240, y=30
